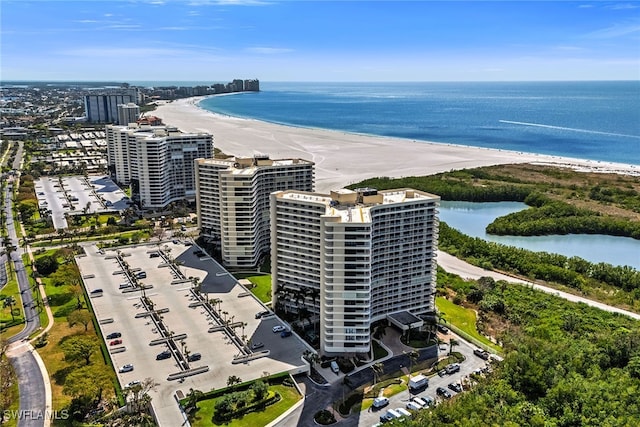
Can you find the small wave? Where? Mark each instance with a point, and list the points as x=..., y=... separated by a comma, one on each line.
x=569, y=129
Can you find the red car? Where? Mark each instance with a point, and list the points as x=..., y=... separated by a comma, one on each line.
x=115, y=342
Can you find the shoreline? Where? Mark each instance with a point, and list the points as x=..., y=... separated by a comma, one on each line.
x=343, y=158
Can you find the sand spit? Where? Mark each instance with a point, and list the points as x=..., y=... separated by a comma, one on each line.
x=344, y=158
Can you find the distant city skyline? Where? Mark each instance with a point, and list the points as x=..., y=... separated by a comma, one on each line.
x=202, y=40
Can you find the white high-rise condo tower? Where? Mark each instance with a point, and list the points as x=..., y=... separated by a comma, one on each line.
x=157, y=161
x=351, y=258
x=232, y=200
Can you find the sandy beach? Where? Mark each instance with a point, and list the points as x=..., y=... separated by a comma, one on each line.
x=345, y=158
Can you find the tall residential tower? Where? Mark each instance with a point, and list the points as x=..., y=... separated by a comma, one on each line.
x=232, y=200
x=158, y=162
x=353, y=258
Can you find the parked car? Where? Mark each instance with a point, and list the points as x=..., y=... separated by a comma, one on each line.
x=380, y=402
x=115, y=342
x=96, y=291
x=194, y=357
x=455, y=387
x=256, y=345
x=414, y=406
x=132, y=383
x=126, y=368
x=442, y=372
x=443, y=329
x=278, y=328
x=420, y=401
x=164, y=355
x=452, y=368
x=390, y=415
x=285, y=333
x=261, y=314
x=441, y=391
x=141, y=275
x=428, y=400
x=481, y=354
x=154, y=255
x=113, y=335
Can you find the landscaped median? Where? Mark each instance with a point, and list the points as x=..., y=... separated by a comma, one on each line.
x=253, y=403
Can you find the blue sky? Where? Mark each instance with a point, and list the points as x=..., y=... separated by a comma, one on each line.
x=218, y=41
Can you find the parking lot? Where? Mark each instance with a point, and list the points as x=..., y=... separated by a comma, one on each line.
x=221, y=332
x=472, y=364
x=74, y=195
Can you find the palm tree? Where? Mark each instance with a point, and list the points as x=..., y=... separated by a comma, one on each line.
x=192, y=399
x=452, y=342
x=10, y=301
x=413, y=359
x=378, y=370
x=233, y=380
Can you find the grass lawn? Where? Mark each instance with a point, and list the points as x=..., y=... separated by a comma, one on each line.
x=11, y=290
x=63, y=301
x=378, y=351
x=262, y=287
x=289, y=397
x=13, y=390
x=463, y=318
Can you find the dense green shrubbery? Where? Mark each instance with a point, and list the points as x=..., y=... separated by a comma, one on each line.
x=566, y=364
x=451, y=187
x=570, y=271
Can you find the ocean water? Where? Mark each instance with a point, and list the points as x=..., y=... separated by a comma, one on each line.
x=587, y=120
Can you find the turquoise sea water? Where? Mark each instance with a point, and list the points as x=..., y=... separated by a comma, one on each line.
x=588, y=120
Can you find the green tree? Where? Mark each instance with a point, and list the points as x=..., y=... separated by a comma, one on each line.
x=192, y=400
x=80, y=347
x=10, y=301
x=260, y=389
x=79, y=317
x=46, y=264
x=233, y=380
x=378, y=370
x=452, y=342
x=89, y=381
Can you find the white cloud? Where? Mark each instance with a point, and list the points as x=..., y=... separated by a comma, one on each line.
x=623, y=6
x=616, y=30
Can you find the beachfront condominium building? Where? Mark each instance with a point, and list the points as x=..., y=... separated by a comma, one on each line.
x=232, y=200
x=157, y=161
x=350, y=258
x=128, y=113
x=103, y=108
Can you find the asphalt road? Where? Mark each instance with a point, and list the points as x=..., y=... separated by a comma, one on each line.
x=31, y=388
x=31, y=383
x=454, y=265
x=321, y=397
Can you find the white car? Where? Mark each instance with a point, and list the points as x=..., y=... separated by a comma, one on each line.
x=420, y=401
x=126, y=368
x=278, y=328
x=413, y=406
x=132, y=383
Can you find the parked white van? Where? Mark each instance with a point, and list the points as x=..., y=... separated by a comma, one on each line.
x=380, y=402
x=403, y=412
